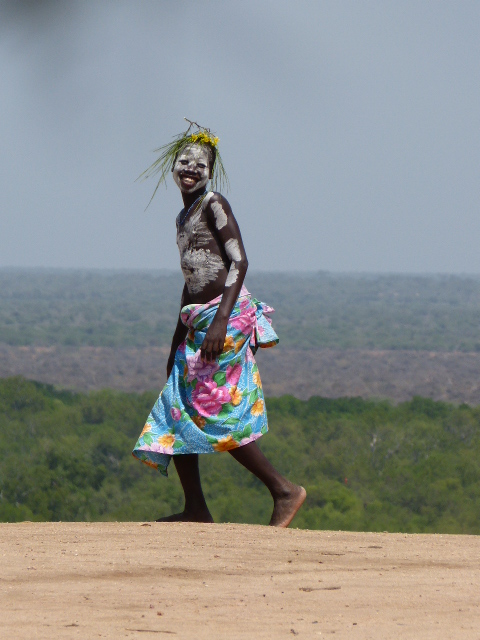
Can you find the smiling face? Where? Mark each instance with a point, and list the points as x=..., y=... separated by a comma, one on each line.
x=191, y=170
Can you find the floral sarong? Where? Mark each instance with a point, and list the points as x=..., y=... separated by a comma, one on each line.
x=211, y=406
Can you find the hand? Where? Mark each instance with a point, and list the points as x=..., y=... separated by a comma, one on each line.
x=212, y=345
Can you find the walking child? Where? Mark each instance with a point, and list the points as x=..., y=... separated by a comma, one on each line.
x=213, y=399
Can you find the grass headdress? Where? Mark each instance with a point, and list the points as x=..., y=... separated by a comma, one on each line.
x=195, y=134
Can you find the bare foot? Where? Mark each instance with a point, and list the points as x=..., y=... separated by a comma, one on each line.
x=286, y=506
x=188, y=516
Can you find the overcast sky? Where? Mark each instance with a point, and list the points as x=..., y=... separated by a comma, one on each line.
x=350, y=130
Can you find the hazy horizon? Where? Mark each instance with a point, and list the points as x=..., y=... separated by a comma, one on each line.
x=251, y=271
x=350, y=131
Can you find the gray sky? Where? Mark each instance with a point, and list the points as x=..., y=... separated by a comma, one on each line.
x=350, y=130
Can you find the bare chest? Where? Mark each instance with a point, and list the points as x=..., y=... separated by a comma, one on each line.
x=193, y=234
x=199, y=261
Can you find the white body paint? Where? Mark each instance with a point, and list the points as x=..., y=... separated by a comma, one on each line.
x=193, y=230
x=191, y=169
x=206, y=200
x=220, y=215
x=232, y=275
x=199, y=266
x=232, y=250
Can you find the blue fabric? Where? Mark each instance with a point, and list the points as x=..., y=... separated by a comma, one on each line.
x=211, y=406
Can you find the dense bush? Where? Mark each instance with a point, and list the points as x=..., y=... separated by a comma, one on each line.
x=102, y=308
x=366, y=465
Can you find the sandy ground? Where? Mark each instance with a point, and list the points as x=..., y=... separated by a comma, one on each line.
x=139, y=580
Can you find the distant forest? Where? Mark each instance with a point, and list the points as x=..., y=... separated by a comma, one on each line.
x=317, y=310
x=367, y=466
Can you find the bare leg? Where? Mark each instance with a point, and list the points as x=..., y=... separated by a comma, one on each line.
x=287, y=497
x=196, y=509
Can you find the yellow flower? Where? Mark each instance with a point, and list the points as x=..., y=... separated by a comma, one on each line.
x=199, y=421
x=229, y=344
x=257, y=408
x=191, y=335
x=167, y=440
x=236, y=396
x=239, y=345
x=146, y=429
x=256, y=379
x=205, y=138
x=225, y=444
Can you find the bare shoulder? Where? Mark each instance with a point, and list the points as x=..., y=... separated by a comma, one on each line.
x=219, y=210
x=216, y=197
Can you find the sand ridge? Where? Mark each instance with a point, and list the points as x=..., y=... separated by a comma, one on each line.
x=185, y=580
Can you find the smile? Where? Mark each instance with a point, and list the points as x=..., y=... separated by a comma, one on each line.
x=189, y=179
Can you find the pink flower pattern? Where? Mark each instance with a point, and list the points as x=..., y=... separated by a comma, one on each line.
x=233, y=373
x=244, y=322
x=249, y=356
x=175, y=413
x=200, y=369
x=193, y=392
x=208, y=398
x=155, y=447
x=182, y=347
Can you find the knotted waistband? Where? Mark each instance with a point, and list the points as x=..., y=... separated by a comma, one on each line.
x=249, y=316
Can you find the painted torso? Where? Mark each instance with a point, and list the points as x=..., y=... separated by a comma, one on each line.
x=203, y=262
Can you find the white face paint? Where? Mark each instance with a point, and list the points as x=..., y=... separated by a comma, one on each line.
x=232, y=249
x=220, y=215
x=192, y=168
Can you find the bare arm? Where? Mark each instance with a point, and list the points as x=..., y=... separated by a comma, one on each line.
x=180, y=332
x=228, y=233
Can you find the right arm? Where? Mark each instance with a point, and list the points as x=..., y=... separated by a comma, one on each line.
x=180, y=332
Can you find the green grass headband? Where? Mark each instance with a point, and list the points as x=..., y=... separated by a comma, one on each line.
x=195, y=134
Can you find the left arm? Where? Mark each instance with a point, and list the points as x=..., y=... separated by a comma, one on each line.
x=222, y=219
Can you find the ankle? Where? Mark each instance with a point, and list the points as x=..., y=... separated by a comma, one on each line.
x=284, y=490
x=196, y=507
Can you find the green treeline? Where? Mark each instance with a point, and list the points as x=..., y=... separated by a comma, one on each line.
x=366, y=465
x=316, y=310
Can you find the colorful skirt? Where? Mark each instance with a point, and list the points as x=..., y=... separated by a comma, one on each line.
x=211, y=406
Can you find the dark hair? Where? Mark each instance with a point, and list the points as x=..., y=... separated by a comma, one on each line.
x=212, y=155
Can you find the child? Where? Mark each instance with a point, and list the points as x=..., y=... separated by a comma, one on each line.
x=213, y=399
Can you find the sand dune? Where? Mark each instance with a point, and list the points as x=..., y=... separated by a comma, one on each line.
x=141, y=580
